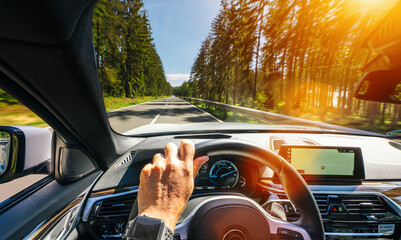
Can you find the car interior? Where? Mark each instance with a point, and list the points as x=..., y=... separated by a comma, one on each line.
x=261, y=181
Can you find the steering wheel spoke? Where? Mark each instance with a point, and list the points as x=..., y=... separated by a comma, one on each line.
x=281, y=229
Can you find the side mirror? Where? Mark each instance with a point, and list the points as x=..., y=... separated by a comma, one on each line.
x=5, y=147
x=24, y=150
x=380, y=86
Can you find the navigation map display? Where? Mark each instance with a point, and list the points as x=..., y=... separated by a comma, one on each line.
x=324, y=161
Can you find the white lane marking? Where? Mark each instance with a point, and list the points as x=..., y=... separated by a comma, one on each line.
x=215, y=118
x=154, y=119
x=158, y=115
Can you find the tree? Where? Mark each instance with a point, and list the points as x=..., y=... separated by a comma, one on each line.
x=127, y=60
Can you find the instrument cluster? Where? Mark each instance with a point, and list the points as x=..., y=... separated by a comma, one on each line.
x=225, y=173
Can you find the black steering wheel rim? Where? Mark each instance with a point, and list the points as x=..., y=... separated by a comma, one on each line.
x=293, y=184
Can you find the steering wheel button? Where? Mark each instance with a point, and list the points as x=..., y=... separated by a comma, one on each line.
x=103, y=226
x=283, y=231
x=296, y=235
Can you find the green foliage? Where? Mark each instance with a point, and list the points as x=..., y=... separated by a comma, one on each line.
x=112, y=103
x=5, y=98
x=184, y=90
x=127, y=59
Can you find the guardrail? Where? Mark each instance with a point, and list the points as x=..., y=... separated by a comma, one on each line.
x=279, y=118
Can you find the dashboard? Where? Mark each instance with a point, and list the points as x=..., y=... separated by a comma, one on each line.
x=364, y=205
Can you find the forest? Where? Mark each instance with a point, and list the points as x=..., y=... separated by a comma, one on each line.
x=127, y=60
x=295, y=57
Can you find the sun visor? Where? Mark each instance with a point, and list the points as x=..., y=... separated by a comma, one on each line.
x=42, y=22
x=385, y=40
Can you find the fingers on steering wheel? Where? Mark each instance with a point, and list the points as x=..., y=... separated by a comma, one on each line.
x=187, y=151
x=198, y=162
x=145, y=173
x=159, y=161
x=171, y=151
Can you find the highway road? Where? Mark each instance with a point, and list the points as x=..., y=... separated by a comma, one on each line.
x=166, y=110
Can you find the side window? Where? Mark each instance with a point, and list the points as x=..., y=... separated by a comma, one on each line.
x=13, y=113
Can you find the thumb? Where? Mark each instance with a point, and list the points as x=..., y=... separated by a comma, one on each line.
x=198, y=162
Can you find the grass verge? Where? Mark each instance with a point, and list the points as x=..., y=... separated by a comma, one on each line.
x=113, y=103
x=18, y=114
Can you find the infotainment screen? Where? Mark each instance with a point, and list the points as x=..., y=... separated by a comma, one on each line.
x=325, y=162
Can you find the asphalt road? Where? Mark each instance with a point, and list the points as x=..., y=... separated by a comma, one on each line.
x=166, y=110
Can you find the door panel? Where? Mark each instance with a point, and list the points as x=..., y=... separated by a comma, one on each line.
x=41, y=205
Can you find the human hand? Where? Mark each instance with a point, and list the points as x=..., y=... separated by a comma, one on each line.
x=166, y=184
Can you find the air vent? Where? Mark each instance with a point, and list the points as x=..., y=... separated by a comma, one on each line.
x=127, y=159
x=117, y=207
x=321, y=200
x=358, y=204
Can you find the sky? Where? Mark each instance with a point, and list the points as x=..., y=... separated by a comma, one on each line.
x=179, y=27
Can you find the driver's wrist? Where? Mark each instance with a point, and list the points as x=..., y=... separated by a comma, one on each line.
x=169, y=221
x=145, y=227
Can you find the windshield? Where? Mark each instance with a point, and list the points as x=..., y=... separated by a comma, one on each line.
x=178, y=62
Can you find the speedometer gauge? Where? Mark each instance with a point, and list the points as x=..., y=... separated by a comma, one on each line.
x=224, y=174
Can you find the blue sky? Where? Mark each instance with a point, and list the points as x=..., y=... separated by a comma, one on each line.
x=179, y=27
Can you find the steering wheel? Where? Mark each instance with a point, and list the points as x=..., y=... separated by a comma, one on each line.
x=226, y=217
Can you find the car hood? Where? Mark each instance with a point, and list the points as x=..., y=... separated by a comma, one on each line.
x=233, y=127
